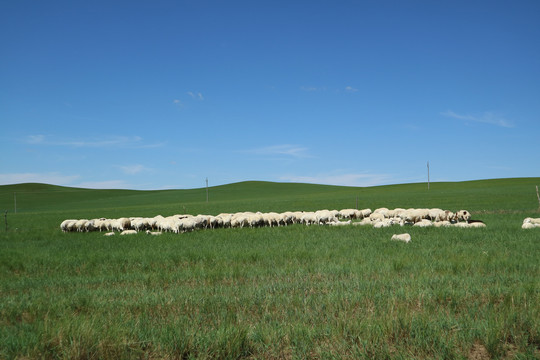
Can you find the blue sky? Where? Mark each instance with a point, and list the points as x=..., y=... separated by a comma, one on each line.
x=164, y=94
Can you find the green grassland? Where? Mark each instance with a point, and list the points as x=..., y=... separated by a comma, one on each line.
x=290, y=292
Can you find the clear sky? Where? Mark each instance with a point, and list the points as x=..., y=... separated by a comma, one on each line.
x=164, y=94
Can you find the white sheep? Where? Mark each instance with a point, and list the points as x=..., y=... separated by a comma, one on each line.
x=68, y=225
x=384, y=211
x=377, y=224
x=154, y=233
x=376, y=216
x=137, y=224
x=325, y=216
x=109, y=234
x=187, y=224
x=463, y=215
x=530, y=220
x=365, y=221
x=364, y=213
x=80, y=225
x=349, y=213
x=309, y=218
x=339, y=223
x=128, y=232
x=224, y=219
x=402, y=237
x=423, y=223
x=436, y=214
x=443, y=223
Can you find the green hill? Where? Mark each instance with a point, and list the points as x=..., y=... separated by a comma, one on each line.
x=517, y=194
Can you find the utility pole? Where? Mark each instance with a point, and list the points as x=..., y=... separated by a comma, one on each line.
x=206, y=189
x=428, y=175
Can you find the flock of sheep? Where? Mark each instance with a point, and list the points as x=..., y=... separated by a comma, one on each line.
x=378, y=218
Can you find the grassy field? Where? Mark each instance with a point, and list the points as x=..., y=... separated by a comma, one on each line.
x=290, y=292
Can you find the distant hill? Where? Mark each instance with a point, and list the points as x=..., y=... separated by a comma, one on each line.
x=514, y=194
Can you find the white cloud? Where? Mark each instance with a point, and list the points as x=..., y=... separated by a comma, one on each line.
x=283, y=150
x=110, y=141
x=197, y=95
x=486, y=118
x=46, y=178
x=350, y=89
x=362, y=179
x=35, y=139
x=133, y=169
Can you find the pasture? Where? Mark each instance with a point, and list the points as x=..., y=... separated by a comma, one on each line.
x=263, y=293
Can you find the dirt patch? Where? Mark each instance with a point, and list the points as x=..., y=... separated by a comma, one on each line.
x=478, y=352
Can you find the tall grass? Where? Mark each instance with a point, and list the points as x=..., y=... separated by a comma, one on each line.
x=292, y=292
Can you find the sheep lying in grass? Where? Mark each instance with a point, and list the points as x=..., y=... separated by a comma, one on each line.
x=128, y=232
x=531, y=223
x=402, y=237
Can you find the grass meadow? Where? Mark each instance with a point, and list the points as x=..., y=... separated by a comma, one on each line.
x=292, y=292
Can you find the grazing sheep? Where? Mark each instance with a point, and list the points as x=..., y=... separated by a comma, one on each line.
x=309, y=218
x=349, y=214
x=138, y=224
x=402, y=237
x=125, y=223
x=365, y=213
x=67, y=225
x=224, y=219
x=325, y=216
x=376, y=216
x=463, y=215
x=187, y=224
x=109, y=234
x=381, y=217
x=80, y=225
x=384, y=212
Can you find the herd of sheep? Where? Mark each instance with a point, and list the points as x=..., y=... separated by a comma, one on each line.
x=378, y=218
